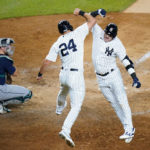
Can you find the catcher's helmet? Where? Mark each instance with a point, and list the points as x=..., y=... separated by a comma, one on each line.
x=111, y=29
x=63, y=26
x=6, y=41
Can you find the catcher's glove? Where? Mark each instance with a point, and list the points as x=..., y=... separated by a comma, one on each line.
x=8, y=79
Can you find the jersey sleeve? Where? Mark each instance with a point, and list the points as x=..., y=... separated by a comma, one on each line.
x=121, y=51
x=52, y=55
x=82, y=31
x=97, y=30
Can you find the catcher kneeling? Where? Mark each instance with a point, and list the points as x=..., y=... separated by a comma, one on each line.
x=9, y=94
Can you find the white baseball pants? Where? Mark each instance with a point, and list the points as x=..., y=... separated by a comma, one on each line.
x=113, y=90
x=72, y=83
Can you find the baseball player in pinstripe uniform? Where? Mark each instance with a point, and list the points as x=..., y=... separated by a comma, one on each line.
x=106, y=48
x=9, y=94
x=70, y=48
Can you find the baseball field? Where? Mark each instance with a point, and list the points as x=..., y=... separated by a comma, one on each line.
x=35, y=126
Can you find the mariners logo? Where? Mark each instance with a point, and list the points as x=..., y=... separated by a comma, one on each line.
x=109, y=51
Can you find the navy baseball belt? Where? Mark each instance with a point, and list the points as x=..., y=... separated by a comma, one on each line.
x=71, y=69
x=105, y=74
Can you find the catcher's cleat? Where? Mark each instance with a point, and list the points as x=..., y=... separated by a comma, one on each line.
x=4, y=110
x=127, y=136
x=59, y=109
x=67, y=138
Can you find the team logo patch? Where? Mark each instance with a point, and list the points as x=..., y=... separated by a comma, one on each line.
x=109, y=51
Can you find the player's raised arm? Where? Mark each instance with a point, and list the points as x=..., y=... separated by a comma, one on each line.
x=91, y=21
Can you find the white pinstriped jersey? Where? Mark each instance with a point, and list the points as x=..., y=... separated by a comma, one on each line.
x=111, y=85
x=70, y=48
x=104, y=53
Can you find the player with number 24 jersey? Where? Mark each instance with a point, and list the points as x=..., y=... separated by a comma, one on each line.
x=70, y=48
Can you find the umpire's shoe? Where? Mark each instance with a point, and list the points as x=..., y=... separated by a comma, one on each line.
x=59, y=109
x=127, y=136
x=67, y=138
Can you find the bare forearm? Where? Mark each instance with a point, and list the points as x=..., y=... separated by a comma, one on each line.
x=42, y=69
x=90, y=19
x=44, y=66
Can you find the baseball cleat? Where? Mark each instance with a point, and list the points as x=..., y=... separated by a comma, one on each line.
x=67, y=138
x=4, y=110
x=128, y=136
x=59, y=109
x=128, y=140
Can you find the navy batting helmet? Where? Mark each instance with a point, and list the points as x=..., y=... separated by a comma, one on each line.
x=111, y=29
x=63, y=26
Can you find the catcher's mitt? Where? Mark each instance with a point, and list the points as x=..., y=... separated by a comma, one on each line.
x=8, y=79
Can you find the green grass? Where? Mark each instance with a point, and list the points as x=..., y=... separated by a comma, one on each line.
x=20, y=8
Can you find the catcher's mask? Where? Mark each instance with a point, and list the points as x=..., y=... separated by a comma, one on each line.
x=6, y=42
x=64, y=26
x=111, y=30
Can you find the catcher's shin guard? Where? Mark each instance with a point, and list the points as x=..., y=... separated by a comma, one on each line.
x=28, y=96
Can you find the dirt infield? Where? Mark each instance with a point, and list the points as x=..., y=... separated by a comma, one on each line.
x=140, y=6
x=35, y=126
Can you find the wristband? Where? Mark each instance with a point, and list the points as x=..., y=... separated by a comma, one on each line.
x=40, y=74
x=81, y=13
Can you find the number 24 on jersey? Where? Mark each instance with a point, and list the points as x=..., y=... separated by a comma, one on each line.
x=66, y=47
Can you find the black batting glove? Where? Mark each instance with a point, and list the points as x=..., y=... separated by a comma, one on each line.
x=101, y=12
x=136, y=83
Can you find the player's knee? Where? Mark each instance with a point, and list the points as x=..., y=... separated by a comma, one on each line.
x=113, y=104
x=25, y=98
x=77, y=108
x=122, y=99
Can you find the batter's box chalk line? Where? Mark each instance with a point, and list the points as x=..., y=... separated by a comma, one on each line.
x=143, y=58
x=140, y=113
